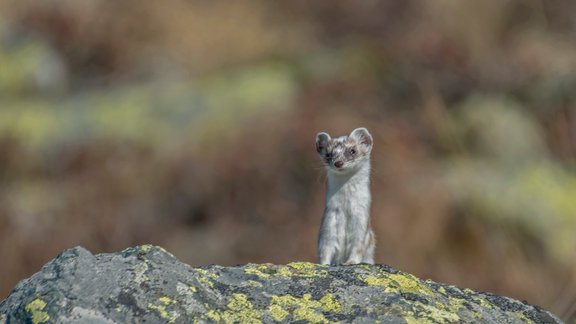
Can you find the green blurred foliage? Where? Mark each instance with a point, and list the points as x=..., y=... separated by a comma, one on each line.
x=508, y=175
x=152, y=114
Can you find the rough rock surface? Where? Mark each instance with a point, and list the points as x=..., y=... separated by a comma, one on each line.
x=147, y=284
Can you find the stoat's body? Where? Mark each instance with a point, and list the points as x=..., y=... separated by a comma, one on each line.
x=346, y=235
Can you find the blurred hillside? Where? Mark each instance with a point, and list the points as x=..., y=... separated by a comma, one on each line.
x=190, y=124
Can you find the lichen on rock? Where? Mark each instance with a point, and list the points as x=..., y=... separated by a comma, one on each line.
x=147, y=283
x=36, y=310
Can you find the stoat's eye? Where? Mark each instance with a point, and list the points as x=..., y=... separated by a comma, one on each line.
x=327, y=155
x=352, y=151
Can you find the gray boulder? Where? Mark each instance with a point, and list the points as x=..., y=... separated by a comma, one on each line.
x=148, y=284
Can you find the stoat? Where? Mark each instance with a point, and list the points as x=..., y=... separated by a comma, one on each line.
x=346, y=235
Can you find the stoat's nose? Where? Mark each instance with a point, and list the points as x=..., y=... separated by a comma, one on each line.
x=338, y=164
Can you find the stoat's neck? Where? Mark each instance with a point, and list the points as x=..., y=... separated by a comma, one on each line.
x=355, y=178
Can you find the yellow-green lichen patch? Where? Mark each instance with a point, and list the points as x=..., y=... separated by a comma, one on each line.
x=213, y=315
x=304, y=308
x=309, y=315
x=437, y=315
x=329, y=304
x=523, y=317
x=481, y=301
x=167, y=300
x=285, y=272
x=398, y=282
x=278, y=313
x=205, y=278
x=377, y=281
x=145, y=248
x=162, y=310
x=261, y=270
x=453, y=305
x=304, y=269
x=239, y=310
x=299, y=269
x=36, y=310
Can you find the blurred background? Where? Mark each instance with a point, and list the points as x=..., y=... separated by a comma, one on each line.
x=190, y=124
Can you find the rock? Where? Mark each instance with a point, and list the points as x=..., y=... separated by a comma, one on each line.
x=148, y=284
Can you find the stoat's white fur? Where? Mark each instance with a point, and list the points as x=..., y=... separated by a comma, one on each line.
x=346, y=236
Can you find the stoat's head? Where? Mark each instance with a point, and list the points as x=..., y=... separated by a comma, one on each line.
x=345, y=153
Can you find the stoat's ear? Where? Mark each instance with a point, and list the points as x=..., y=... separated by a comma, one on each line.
x=362, y=137
x=322, y=140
